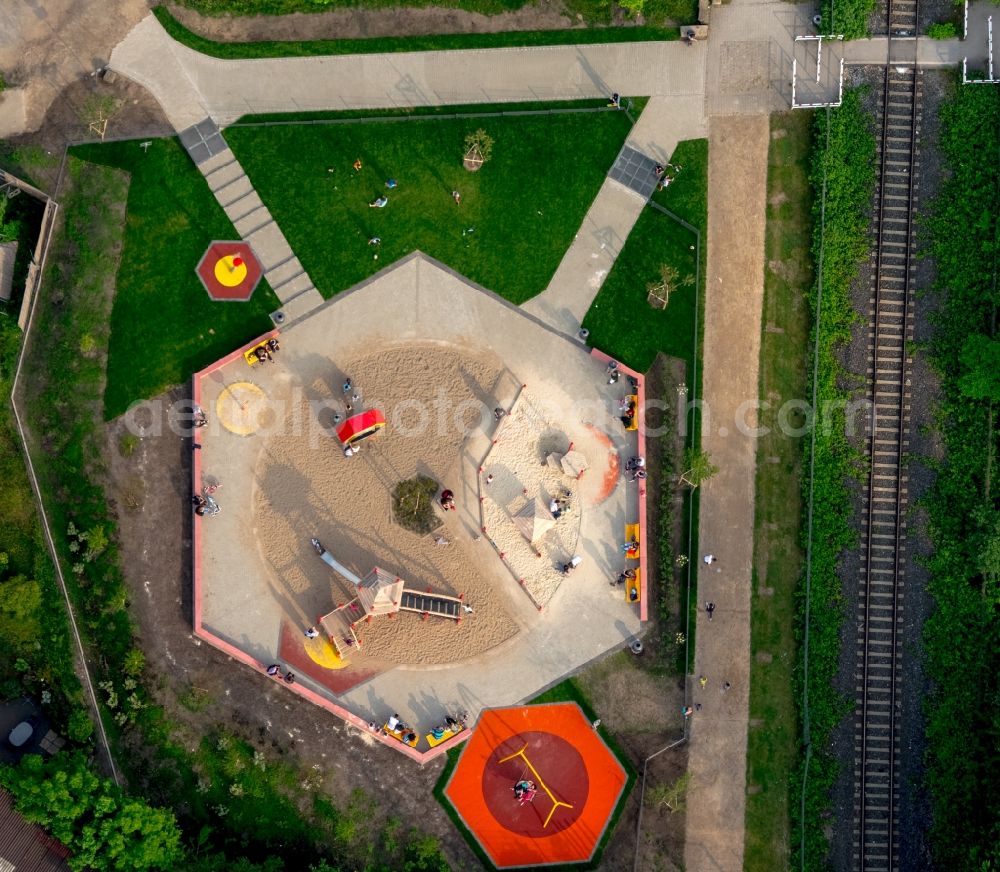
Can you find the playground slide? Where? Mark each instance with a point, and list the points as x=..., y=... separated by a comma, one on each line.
x=336, y=566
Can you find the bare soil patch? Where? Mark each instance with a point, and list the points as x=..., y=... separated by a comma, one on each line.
x=360, y=23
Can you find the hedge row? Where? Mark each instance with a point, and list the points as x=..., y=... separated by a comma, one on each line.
x=962, y=636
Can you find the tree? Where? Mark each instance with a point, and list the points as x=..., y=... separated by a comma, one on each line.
x=670, y=281
x=478, y=148
x=698, y=468
x=980, y=358
x=102, y=828
x=673, y=796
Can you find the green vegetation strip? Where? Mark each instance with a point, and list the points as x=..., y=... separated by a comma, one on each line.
x=592, y=12
x=843, y=176
x=518, y=214
x=962, y=636
x=394, y=44
x=772, y=741
x=847, y=18
x=164, y=326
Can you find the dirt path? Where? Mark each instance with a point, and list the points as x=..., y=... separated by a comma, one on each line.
x=359, y=23
x=737, y=189
x=47, y=45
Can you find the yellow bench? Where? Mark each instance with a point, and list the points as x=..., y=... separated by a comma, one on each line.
x=249, y=355
x=633, y=589
x=447, y=735
x=632, y=535
x=398, y=735
x=633, y=400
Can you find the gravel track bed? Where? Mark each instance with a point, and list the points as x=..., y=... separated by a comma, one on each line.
x=914, y=809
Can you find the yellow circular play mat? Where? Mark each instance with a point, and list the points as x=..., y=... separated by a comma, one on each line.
x=230, y=273
x=243, y=408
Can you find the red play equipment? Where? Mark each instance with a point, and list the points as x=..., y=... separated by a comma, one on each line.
x=360, y=426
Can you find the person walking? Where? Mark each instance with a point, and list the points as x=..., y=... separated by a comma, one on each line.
x=709, y=559
x=311, y=633
x=703, y=681
x=457, y=197
x=710, y=608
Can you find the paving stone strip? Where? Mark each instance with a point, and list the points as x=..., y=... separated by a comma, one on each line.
x=232, y=188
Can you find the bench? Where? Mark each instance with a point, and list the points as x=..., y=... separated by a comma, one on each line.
x=250, y=357
x=633, y=589
x=632, y=535
x=398, y=734
x=448, y=733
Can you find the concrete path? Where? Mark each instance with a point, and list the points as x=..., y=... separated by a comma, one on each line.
x=189, y=85
x=737, y=188
x=252, y=220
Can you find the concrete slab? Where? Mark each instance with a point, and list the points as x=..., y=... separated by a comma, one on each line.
x=291, y=288
x=235, y=190
x=244, y=599
x=221, y=176
x=298, y=307
x=270, y=245
x=252, y=220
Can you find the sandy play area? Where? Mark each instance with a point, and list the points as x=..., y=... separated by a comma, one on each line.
x=433, y=397
x=524, y=484
x=438, y=360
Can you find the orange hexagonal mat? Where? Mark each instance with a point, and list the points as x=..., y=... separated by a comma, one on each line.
x=569, y=784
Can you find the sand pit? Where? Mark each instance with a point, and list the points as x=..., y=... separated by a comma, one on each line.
x=520, y=476
x=434, y=398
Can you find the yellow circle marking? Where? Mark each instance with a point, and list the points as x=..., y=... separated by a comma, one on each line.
x=227, y=273
x=240, y=408
x=323, y=654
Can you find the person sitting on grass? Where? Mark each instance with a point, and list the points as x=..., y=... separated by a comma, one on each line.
x=379, y=203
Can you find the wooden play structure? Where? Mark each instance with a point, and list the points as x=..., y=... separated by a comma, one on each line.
x=378, y=593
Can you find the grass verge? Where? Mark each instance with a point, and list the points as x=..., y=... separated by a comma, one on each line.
x=395, y=44
x=163, y=325
x=772, y=741
x=620, y=320
x=844, y=169
x=518, y=214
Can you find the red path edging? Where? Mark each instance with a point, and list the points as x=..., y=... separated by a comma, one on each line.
x=641, y=451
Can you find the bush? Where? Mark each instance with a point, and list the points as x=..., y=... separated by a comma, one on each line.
x=962, y=636
x=413, y=505
x=942, y=30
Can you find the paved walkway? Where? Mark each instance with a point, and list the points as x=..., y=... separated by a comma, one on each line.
x=737, y=183
x=251, y=218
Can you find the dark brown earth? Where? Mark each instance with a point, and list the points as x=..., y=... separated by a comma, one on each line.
x=359, y=23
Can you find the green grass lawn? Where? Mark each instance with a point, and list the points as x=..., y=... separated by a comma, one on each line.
x=164, y=327
x=620, y=320
x=518, y=214
x=440, y=42
x=773, y=745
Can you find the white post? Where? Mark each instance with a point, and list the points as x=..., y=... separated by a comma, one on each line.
x=819, y=57
x=793, y=82
x=989, y=32
x=840, y=90
x=965, y=21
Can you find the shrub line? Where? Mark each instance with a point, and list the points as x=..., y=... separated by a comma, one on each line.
x=43, y=514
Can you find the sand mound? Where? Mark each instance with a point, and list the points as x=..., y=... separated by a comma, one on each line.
x=520, y=476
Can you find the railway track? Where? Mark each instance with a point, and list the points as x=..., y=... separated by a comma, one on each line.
x=883, y=537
